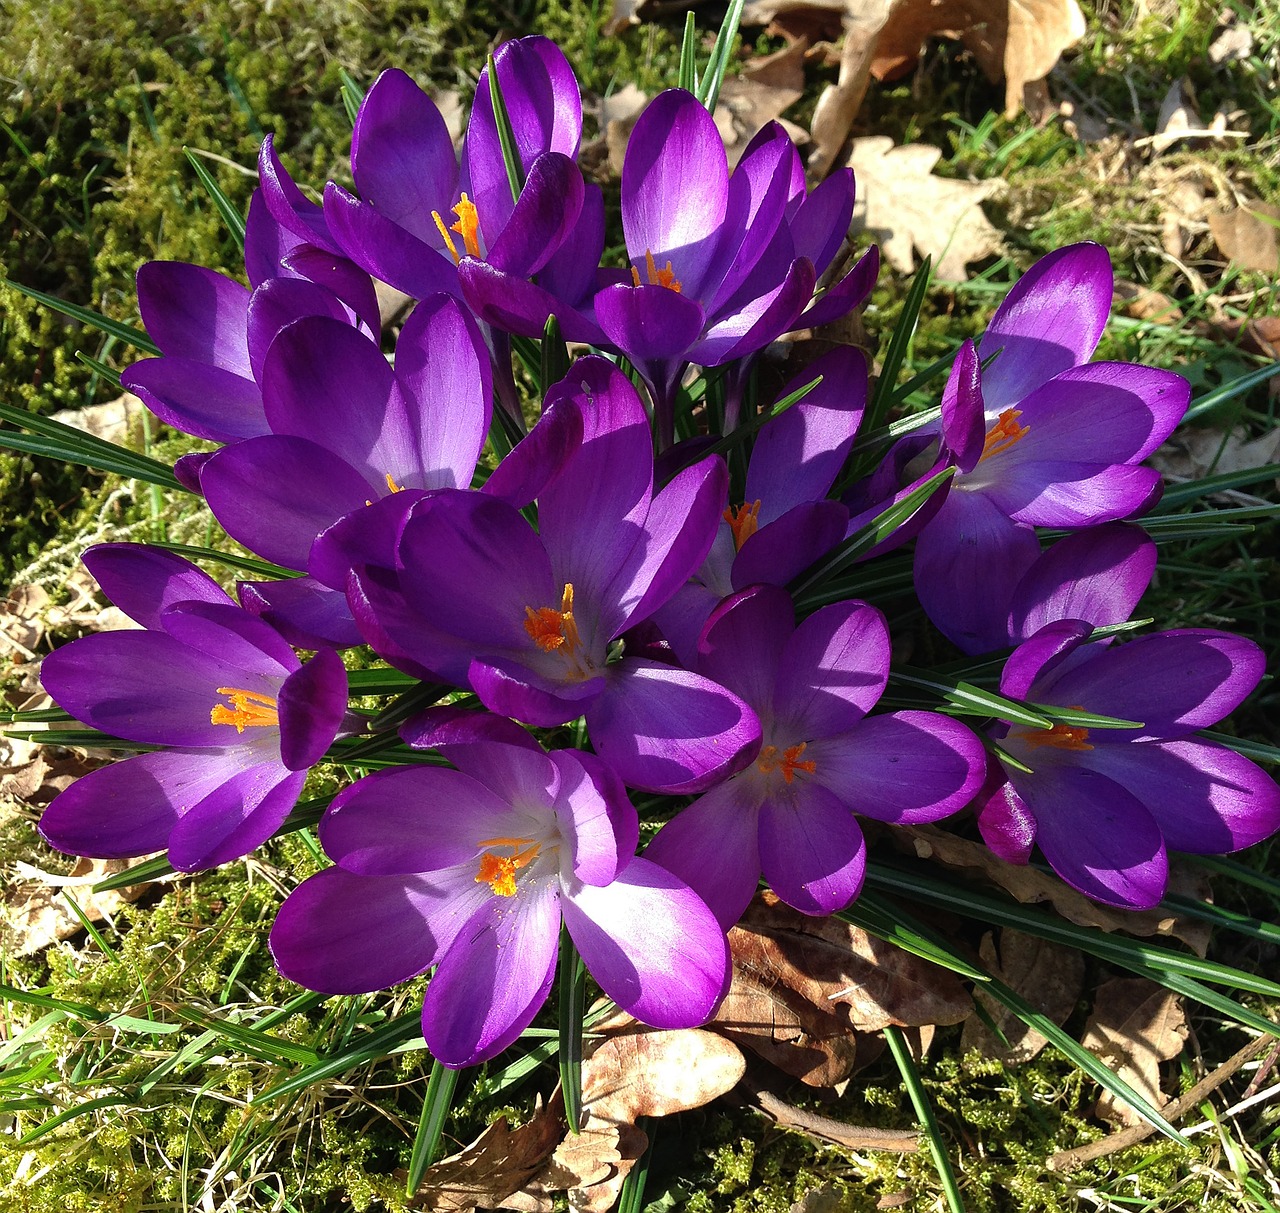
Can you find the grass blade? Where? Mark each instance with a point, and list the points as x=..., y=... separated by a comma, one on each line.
x=631, y=1197
x=352, y=95
x=688, y=77
x=708, y=91
x=435, y=1111
x=506, y=134
x=1229, y=391
x=134, y=337
x=226, y=208
x=899, y=344
x=573, y=997
x=924, y=1114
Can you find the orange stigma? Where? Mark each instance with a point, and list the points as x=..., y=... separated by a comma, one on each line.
x=657, y=277
x=247, y=708
x=550, y=629
x=1061, y=737
x=392, y=487
x=1004, y=434
x=790, y=762
x=468, y=227
x=744, y=521
x=499, y=871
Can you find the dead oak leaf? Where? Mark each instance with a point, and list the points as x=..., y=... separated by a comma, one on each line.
x=904, y=206
x=1249, y=236
x=1136, y=1024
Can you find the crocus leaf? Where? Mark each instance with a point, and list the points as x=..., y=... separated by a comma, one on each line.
x=125, y=332
x=226, y=208
x=709, y=88
x=435, y=1111
x=506, y=134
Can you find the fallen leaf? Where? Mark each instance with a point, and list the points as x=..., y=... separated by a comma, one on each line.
x=1048, y=975
x=904, y=207
x=1032, y=885
x=112, y=421
x=1135, y=1025
x=618, y=114
x=1235, y=42
x=1193, y=453
x=37, y=912
x=1249, y=236
x=765, y=88
x=803, y=986
x=635, y=1072
x=1142, y=303
x=494, y=1166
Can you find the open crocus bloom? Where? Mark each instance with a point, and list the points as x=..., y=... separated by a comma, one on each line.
x=1104, y=804
x=821, y=759
x=473, y=870
x=241, y=718
x=1040, y=437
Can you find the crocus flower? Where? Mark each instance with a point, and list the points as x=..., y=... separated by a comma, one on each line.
x=348, y=430
x=473, y=870
x=239, y=717
x=1105, y=805
x=785, y=521
x=527, y=619
x=822, y=759
x=1040, y=437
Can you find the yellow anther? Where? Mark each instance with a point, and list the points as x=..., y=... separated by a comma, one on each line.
x=550, y=629
x=499, y=871
x=1004, y=434
x=247, y=708
x=790, y=762
x=744, y=521
x=392, y=487
x=448, y=240
x=657, y=277
x=468, y=225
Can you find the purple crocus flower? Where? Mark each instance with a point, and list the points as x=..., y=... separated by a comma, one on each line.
x=822, y=758
x=241, y=719
x=348, y=430
x=1105, y=805
x=785, y=521
x=527, y=619
x=1040, y=437
x=473, y=870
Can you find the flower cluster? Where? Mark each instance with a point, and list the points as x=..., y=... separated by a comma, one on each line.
x=641, y=581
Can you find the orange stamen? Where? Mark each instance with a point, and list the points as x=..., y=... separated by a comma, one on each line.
x=392, y=487
x=550, y=629
x=744, y=521
x=790, y=762
x=499, y=871
x=1004, y=434
x=657, y=277
x=468, y=227
x=248, y=708
x=1061, y=737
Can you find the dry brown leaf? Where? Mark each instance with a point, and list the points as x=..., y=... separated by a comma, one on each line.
x=618, y=114
x=1048, y=975
x=636, y=1072
x=1142, y=303
x=802, y=987
x=498, y=1163
x=37, y=913
x=1135, y=1025
x=766, y=87
x=1031, y=885
x=112, y=421
x=1249, y=236
x=1192, y=454
x=1235, y=42
x=903, y=206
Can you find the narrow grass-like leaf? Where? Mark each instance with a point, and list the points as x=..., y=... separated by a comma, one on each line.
x=374, y=1046
x=920, y=379
x=896, y=354
x=127, y=333
x=867, y=537
x=555, y=355
x=631, y=1197
x=1180, y=494
x=874, y=916
x=352, y=95
x=573, y=997
x=724, y=445
x=435, y=1111
x=708, y=91
x=1220, y=916
x=226, y=208
x=414, y=700
x=35, y=716
x=251, y=1040
x=231, y=560
x=924, y=1114
x=81, y=1109
x=101, y=369
x=87, y=923
x=506, y=134
x=35, y=999
x=965, y=699
x=1229, y=391
x=1089, y=720
x=89, y=738
x=521, y=1068
x=1237, y=871
x=380, y=681
x=688, y=77
x=151, y=869
x=56, y=440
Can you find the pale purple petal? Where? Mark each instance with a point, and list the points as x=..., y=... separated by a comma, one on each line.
x=494, y=977
x=508, y=686
x=784, y=548
x=963, y=409
x=1040, y=654
x=288, y=205
x=544, y=217
x=667, y=730
x=236, y=818
x=280, y=301
x=606, y=825
x=143, y=580
x=197, y=398
x=229, y=634
x=743, y=643
x=651, y=944
x=196, y=313
x=812, y=850
x=344, y=934
x=1007, y=826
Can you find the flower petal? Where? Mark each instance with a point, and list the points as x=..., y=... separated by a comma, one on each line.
x=143, y=580
x=235, y=818
x=312, y=705
x=198, y=399
x=812, y=849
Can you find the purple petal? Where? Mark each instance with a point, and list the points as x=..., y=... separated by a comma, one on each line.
x=813, y=851
x=543, y=218
x=592, y=805
x=748, y=326
x=652, y=325
x=236, y=818
x=1007, y=826
x=197, y=398
x=1205, y=798
x=280, y=301
x=969, y=559
x=651, y=944
x=344, y=934
x=342, y=278
x=821, y=222
x=539, y=456
x=570, y=275
x=903, y=767
x=1176, y=682
x=1052, y=319
x=494, y=978
x=230, y=634
x=713, y=846
x=303, y=610
x=312, y=705
x=1097, y=575
x=963, y=409
x=667, y=730
x=1041, y=654
x=288, y=205
x=510, y=688
x=266, y=242
x=744, y=640
x=402, y=155
x=142, y=581
x=675, y=188
x=785, y=547
x=412, y=819
x=519, y=306
x=1096, y=835
x=833, y=670
x=195, y=313
x=455, y=730
x=850, y=292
